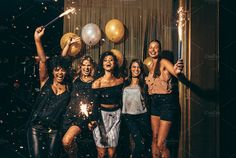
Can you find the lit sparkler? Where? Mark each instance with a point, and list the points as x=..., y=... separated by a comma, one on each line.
x=68, y=11
x=181, y=23
x=85, y=109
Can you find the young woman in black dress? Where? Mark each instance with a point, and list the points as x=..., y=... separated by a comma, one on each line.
x=82, y=95
x=46, y=120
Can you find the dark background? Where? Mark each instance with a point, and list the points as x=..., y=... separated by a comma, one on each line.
x=18, y=69
x=227, y=41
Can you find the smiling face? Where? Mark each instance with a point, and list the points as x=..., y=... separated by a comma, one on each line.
x=135, y=70
x=59, y=74
x=86, y=68
x=108, y=63
x=153, y=49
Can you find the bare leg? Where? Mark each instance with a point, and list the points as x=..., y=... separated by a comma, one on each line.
x=69, y=143
x=155, y=122
x=101, y=152
x=162, y=135
x=112, y=152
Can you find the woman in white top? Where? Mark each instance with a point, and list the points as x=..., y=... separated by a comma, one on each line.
x=134, y=108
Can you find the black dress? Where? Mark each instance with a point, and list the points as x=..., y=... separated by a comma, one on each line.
x=82, y=95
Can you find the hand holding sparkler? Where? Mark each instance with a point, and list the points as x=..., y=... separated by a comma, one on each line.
x=39, y=32
x=68, y=11
x=178, y=67
x=85, y=111
x=92, y=125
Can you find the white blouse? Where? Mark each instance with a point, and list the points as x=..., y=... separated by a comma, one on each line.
x=133, y=101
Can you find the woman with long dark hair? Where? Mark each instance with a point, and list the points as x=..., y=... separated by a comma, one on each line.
x=46, y=120
x=135, y=108
x=164, y=106
x=108, y=89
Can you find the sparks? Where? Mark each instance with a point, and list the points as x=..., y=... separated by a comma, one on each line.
x=84, y=109
x=68, y=11
x=181, y=22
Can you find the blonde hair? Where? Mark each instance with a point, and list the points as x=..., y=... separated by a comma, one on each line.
x=80, y=61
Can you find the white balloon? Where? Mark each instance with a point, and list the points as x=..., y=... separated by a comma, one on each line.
x=91, y=34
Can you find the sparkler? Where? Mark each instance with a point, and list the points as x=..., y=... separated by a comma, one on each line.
x=68, y=11
x=181, y=23
x=85, y=109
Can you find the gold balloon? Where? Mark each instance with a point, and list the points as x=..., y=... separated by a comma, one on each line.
x=119, y=56
x=148, y=62
x=114, y=30
x=74, y=48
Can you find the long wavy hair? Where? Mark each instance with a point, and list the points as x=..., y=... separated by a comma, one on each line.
x=101, y=71
x=90, y=59
x=141, y=77
x=169, y=55
x=165, y=54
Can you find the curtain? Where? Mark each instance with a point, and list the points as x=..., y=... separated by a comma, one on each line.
x=143, y=20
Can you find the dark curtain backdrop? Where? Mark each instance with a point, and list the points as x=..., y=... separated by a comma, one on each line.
x=143, y=20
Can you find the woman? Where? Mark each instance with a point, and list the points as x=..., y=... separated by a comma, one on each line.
x=108, y=89
x=164, y=105
x=134, y=107
x=76, y=120
x=45, y=122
